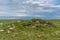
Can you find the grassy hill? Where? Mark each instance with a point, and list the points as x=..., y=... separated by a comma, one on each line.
x=35, y=29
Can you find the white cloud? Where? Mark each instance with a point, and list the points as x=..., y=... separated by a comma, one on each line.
x=45, y=3
x=42, y=6
x=22, y=14
x=40, y=2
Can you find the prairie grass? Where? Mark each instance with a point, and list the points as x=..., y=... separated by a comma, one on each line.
x=28, y=33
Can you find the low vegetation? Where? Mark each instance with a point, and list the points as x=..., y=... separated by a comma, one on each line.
x=34, y=29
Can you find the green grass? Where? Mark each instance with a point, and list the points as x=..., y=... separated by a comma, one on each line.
x=28, y=33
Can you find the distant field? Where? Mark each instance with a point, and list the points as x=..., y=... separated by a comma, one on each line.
x=19, y=32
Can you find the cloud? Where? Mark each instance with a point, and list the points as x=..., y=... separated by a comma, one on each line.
x=36, y=8
x=22, y=14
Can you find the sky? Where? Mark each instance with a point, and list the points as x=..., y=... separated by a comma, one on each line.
x=49, y=9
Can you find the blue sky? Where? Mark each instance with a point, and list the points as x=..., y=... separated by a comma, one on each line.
x=49, y=9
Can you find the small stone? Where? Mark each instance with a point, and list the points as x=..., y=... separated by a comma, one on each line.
x=1, y=30
x=11, y=28
x=33, y=26
x=8, y=31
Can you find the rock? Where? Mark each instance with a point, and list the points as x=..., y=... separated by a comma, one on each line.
x=8, y=31
x=11, y=28
x=33, y=26
x=1, y=30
